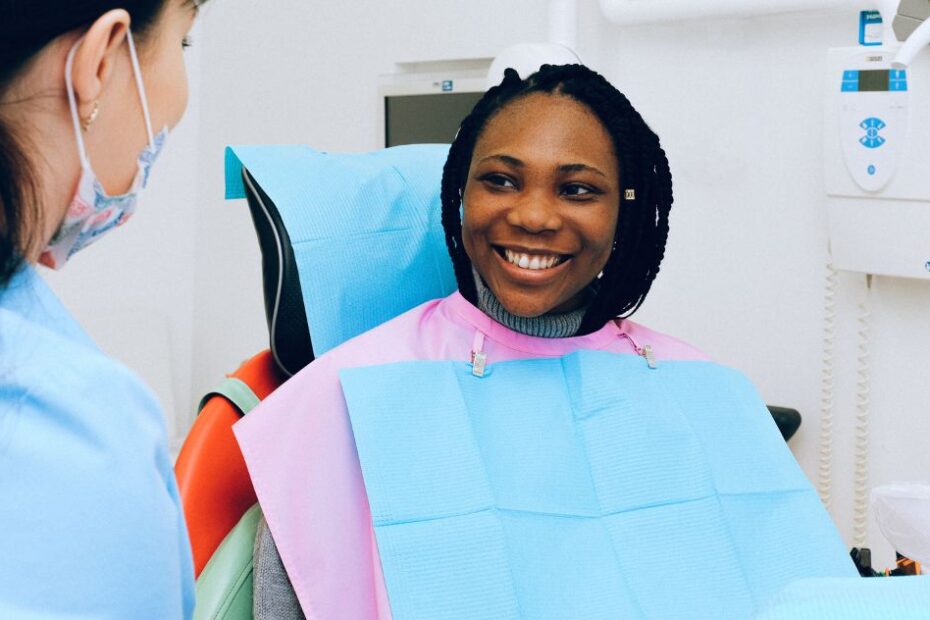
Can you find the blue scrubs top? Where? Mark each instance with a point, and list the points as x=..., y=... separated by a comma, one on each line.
x=91, y=524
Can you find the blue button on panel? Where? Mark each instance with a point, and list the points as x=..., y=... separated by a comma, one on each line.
x=871, y=170
x=897, y=74
x=850, y=87
x=872, y=138
x=851, y=75
x=898, y=86
x=871, y=142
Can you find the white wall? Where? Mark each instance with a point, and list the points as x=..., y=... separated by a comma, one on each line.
x=738, y=105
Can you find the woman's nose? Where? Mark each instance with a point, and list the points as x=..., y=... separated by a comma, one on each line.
x=535, y=213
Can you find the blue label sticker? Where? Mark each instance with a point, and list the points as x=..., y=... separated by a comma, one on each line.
x=447, y=86
x=871, y=170
x=870, y=28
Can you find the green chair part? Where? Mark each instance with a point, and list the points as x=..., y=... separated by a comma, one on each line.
x=224, y=588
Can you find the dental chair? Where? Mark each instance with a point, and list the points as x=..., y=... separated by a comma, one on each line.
x=212, y=476
x=220, y=503
x=383, y=206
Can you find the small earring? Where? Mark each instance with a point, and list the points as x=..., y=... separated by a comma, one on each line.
x=87, y=122
x=629, y=194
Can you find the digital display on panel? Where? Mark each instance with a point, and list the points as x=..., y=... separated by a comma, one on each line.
x=426, y=119
x=873, y=80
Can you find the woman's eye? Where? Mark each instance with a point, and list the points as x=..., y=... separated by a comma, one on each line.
x=576, y=190
x=499, y=180
x=186, y=42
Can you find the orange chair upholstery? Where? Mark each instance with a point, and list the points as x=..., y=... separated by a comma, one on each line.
x=212, y=476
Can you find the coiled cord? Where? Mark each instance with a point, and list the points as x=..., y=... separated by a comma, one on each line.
x=863, y=408
x=825, y=469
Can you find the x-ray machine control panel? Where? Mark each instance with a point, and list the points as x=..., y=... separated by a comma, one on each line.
x=874, y=120
x=877, y=162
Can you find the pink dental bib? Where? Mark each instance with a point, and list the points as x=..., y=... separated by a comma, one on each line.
x=302, y=456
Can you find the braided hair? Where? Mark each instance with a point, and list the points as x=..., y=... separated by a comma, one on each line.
x=642, y=225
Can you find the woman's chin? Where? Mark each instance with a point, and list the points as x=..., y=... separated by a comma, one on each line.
x=532, y=302
x=526, y=308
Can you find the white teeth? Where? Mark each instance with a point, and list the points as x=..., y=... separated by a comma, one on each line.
x=533, y=262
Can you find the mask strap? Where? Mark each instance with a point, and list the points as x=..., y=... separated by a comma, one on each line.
x=72, y=102
x=143, y=99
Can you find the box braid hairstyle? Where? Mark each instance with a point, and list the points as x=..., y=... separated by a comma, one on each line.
x=642, y=225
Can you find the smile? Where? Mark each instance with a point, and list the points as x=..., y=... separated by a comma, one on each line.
x=531, y=261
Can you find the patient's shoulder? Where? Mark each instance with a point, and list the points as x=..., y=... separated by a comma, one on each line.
x=401, y=339
x=664, y=347
x=397, y=340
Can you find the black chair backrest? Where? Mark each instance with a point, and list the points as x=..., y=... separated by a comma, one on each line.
x=288, y=330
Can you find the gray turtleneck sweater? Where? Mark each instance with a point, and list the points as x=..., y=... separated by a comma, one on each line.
x=273, y=595
x=551, y=325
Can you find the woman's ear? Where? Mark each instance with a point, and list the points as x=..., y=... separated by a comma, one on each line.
x=96, y=55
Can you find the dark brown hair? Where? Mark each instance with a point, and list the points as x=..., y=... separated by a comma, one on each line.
x=26, y=27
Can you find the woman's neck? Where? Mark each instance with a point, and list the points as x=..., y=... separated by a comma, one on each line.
x=552, y=325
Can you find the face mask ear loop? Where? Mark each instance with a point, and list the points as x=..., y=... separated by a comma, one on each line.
x=72, y=102
x=140, y=86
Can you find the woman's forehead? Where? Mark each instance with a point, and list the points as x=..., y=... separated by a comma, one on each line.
x=546, y=126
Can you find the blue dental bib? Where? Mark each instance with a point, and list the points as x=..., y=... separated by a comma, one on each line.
x=588, y=486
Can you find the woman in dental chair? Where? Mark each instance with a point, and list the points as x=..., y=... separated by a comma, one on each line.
x=521, y=449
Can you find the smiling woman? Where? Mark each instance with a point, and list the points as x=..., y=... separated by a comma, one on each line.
x=562, y=167
x=521, y=448
x=542, y=199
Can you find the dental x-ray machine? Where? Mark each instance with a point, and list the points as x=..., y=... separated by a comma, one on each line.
x=877, y=149
x=877, y=173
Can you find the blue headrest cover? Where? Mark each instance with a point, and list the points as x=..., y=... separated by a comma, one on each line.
x=365, y=228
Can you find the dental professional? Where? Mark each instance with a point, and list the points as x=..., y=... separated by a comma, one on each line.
x=90, y=521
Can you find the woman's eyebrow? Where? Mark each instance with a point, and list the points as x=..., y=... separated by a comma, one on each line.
x=517, y=163
x=507, y=159
x=580, y=168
